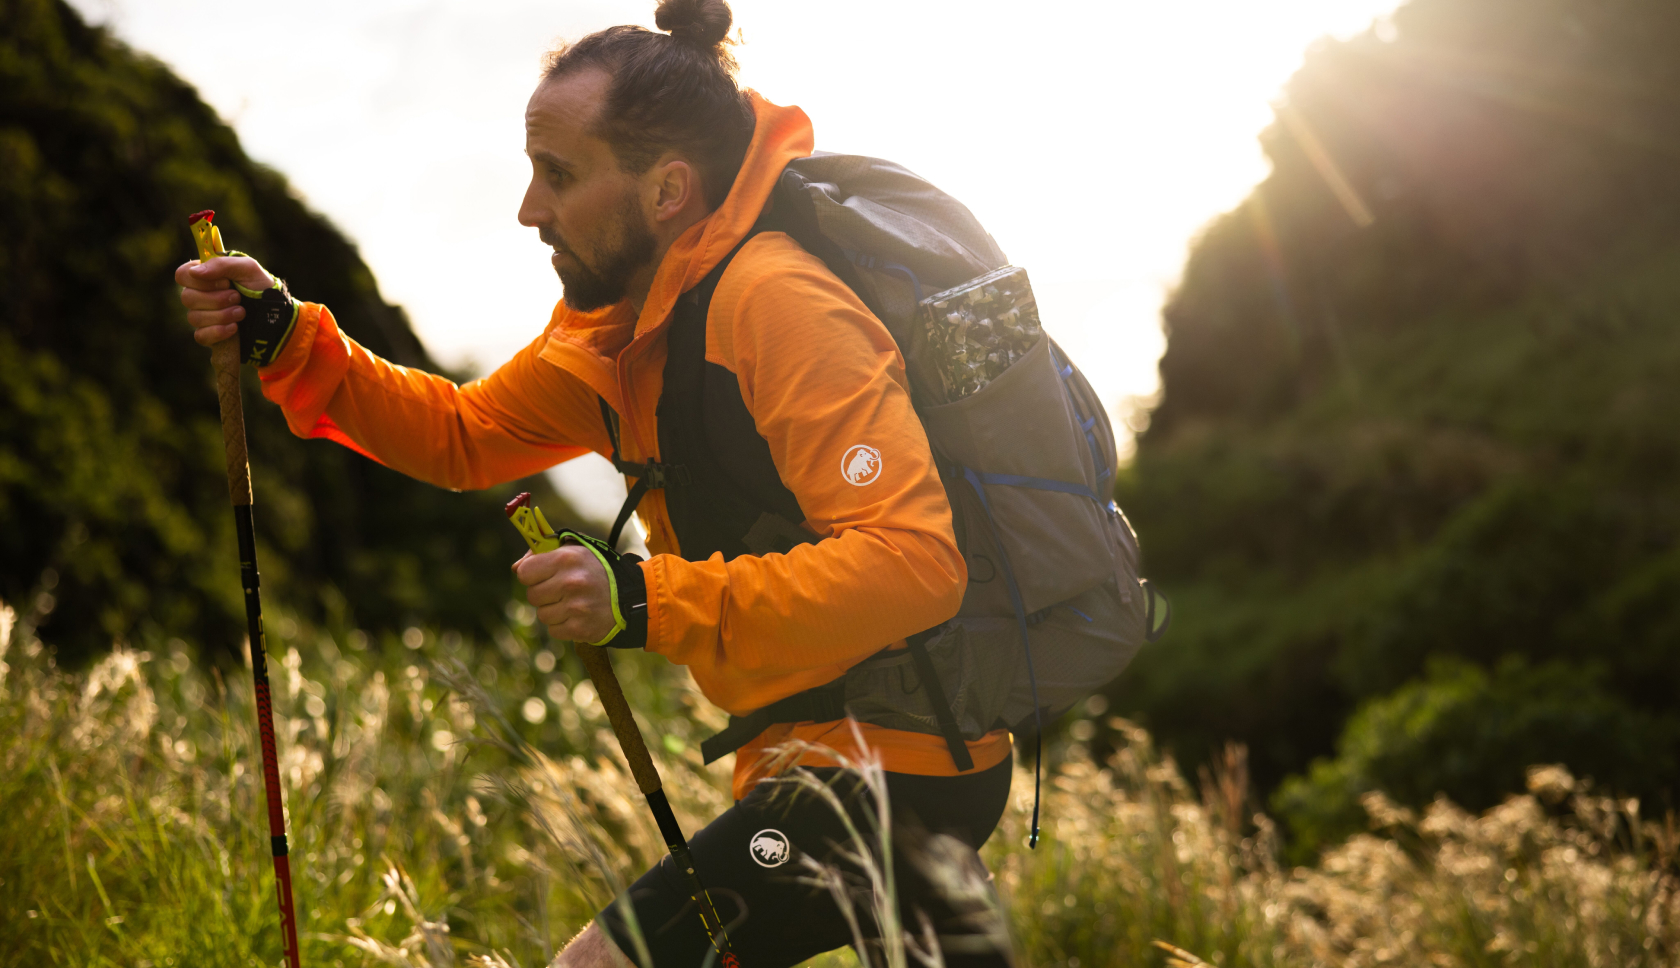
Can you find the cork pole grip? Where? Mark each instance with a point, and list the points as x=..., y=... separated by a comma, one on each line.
x=225, y=357
x=599, y=667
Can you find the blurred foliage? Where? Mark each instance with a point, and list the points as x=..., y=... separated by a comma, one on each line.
x=1418, y=414
x=444, y=795
x=1411, y=483
x=1462, y=728
x=113, y=509
x=461, y=803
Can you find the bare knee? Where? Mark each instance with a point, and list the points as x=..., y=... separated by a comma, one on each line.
x=592, y=948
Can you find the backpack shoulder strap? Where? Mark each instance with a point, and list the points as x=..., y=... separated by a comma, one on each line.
x=649, y=475
x=722, y=490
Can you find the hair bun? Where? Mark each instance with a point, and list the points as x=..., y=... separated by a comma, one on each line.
x=699, y=23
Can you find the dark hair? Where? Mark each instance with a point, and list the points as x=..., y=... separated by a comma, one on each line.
x=670, y=92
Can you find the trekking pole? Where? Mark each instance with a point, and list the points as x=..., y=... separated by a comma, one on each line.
x=528, y=518
x=225, y=357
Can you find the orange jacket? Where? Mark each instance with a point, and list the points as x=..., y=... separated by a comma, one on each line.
x=819, y=373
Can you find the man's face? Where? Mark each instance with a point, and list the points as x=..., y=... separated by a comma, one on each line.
x=580, y=201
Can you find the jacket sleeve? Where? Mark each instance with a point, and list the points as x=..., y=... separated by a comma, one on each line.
x=825, y=384
x=524, y=417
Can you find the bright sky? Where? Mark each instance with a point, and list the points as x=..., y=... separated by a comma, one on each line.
x=1092, y=139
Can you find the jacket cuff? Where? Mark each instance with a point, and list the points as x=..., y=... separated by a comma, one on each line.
x=294, y=354
x=632, y=603
x=308, y=371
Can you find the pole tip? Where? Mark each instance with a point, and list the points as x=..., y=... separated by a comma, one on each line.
x=205, y=215
x=521, y=501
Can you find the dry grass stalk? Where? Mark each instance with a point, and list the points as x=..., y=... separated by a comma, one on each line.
x=1134, y=857
x=427, y=831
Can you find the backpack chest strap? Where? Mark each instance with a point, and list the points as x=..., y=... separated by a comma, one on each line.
x=650, y=475
x=723, y=491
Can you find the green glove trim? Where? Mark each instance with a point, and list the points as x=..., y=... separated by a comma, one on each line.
x=610, y=561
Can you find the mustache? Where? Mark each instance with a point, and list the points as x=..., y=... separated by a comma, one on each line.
x=552, y=239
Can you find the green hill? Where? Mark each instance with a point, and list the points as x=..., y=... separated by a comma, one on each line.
x=1412, y=483
x=113, y=504
x=1413, y=480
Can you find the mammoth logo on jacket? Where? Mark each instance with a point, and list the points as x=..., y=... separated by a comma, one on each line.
x=861, y=465
x=769, y=848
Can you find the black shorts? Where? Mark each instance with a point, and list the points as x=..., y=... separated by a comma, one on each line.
x=749, y=860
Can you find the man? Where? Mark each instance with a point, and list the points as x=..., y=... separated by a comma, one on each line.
x=649, y=170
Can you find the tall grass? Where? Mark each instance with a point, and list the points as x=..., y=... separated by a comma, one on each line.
x=132, y=824
x=452, y=803
x=1138, y=863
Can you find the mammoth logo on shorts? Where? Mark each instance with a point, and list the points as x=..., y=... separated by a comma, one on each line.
x=861, y=465
x=769, y=848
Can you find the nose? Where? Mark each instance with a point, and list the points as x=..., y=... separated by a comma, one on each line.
x=533, y=212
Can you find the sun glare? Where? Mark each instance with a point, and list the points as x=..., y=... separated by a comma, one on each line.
x=1092, y=139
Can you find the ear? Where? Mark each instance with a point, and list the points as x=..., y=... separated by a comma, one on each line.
x=676, y=190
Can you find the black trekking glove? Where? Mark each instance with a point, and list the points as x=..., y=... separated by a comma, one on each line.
x=269, y=318
x=628, y=588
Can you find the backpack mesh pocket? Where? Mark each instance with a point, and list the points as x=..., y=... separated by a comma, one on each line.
x=1031, y=458
x=1079, y=645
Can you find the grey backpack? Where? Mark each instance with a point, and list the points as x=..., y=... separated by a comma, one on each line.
x=1055, y=608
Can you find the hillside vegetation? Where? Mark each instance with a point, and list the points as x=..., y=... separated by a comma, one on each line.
x=454, y=803
x=1411, y=483
x=1413, y=478
x=113, y=499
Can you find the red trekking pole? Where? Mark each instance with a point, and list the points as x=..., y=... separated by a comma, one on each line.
x=225, y=357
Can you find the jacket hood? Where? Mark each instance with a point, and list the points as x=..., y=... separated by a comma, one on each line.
x=780, y=135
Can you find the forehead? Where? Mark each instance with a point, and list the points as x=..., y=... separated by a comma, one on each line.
x=560, y=112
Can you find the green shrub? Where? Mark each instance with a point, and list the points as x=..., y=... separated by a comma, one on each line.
x=1467, y=735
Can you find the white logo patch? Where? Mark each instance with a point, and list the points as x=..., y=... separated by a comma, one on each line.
x=769, y=848
x=861, y=465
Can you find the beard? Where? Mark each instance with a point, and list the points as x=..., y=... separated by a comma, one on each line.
x=604, y=278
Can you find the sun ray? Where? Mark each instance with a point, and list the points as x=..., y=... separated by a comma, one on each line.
x=1326, y=166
